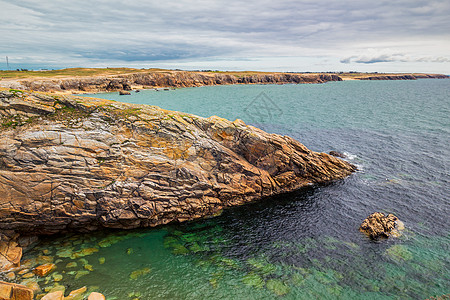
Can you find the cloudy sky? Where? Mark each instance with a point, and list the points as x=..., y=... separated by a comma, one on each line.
x=283, y=35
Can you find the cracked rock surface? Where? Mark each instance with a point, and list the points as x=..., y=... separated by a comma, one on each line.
x=73, y=163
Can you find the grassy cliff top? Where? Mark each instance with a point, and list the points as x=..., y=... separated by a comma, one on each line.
x=87, y=72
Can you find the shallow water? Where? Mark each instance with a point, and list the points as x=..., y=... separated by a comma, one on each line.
x=304, y=245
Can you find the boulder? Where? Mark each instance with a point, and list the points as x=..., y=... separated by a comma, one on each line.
x=379, y=225
x=124, y=93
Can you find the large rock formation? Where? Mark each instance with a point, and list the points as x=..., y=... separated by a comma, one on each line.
x=160, y=79
x=73, y=163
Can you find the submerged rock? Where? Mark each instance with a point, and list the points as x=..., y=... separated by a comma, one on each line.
x=76, y=294
x=399, y=253
x=380, y=225
x=138, y=273
x=96, y=296
x=58, y=295
x=95, y=163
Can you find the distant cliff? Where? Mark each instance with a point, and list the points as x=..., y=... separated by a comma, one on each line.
x=81, y=80
x=403, y=77
x=161, y=79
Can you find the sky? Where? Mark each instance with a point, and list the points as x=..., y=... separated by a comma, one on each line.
x=283, y=35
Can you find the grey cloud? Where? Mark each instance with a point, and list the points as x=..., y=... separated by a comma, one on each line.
x=398, y=57
x=177, y=30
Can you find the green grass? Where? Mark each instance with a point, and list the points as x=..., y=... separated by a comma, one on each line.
x=73, y=72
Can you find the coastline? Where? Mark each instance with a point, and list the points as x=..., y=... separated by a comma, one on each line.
x=79, y=81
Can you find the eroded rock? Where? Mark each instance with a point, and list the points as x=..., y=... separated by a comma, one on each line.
x=380, y=225
x=96, y=163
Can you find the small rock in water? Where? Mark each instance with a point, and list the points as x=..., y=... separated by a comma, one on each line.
x=124, y=93
x=137, y=273
x=65, y=252
x=11, y=276
x=58, y=295
x=101, y=260
x=57, y=277
x=84, y=252
x=21, y=272
x=45, y=269
x=44, y=259
x=54, y=288
x=379, y=225
x=399, y=253
x=28, y=275
x=81, y=274
x=71, y=265
x=76, y=294
x=89, y=267
x=337, y=154
x=96, y=296
x=83, y=261
x=130, y=251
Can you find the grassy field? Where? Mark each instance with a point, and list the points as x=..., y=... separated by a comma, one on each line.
x=73, y=72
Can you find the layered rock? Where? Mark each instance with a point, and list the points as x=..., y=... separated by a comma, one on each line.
x=73, y=163
x=161, y=79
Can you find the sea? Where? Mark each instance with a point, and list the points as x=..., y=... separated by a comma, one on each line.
x=305, y=244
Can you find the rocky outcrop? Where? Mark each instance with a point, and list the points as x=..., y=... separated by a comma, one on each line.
x=162, y=79
x=403, y=77
x=74, y=163
x=380, y=225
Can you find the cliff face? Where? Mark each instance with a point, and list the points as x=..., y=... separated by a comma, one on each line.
x=82, y=163
x=163, y=79
x=403, y=77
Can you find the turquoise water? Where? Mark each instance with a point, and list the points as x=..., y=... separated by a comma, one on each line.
x=304, y=245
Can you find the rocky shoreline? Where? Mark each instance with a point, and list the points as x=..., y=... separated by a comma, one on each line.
x=180, y=79
x=404, y=77
x=72, y=163
x=175, y=79
x=75, y=163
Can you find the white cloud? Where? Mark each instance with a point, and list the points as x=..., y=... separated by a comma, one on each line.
x=88, y=32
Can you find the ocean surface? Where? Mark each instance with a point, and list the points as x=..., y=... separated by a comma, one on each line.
x=303, y=245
